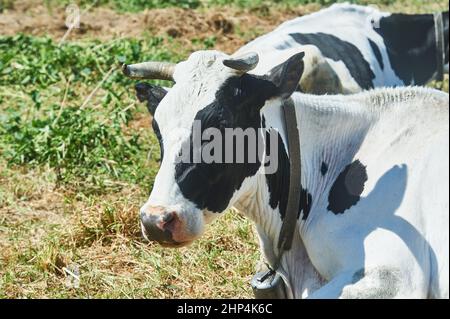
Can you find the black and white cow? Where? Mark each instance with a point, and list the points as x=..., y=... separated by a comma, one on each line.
x=349, y=48
x=373, y=222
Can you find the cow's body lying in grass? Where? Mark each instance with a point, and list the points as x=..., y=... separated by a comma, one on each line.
x=374, y=167
x=373, y=221
x=349, y=48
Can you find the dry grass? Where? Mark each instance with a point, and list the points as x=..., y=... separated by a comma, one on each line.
x=230, y=27
x=45, y=231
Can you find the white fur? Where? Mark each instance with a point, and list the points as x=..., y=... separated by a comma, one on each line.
x=398, y=231
x=350, y=23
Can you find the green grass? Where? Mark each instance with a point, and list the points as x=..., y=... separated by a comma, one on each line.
x=29, y=60
x=78, y=158
x=81, y=138
x=74, y=141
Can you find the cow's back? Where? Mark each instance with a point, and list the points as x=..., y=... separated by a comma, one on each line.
x=346, y=40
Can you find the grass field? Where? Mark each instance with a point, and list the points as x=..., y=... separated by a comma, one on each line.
x=78, y=157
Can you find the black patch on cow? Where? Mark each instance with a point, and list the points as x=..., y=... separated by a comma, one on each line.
x=339, y=50
x=347, y=188
x=305, y=204
x=278, y=183
x=237, y=105
x=158, y=135
x=323, y=168
x=263, y=121
x=411, y=45
x=152, y=94
x=377, y=52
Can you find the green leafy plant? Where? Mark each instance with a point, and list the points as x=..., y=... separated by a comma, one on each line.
x=74, y=141
x=27, y=60
x=87, y=144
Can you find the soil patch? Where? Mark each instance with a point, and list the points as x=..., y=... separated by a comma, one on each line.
x=230, y=27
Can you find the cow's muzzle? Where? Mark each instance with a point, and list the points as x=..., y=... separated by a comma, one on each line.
x=159, y=225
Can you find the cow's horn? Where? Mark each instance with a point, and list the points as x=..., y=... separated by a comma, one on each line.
x=243, y=63
x=150, y=70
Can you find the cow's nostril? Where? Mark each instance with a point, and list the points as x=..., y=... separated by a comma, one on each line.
x=168, y=217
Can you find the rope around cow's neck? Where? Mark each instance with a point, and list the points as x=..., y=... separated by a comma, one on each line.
x=290, y=219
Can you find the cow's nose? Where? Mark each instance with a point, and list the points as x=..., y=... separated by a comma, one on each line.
x=158, y=225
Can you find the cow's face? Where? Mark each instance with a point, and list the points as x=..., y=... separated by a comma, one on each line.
x=195, y=182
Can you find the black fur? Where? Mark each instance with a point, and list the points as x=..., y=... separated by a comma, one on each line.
x=323, y=168
x=278, y=183
x=160, y=140
x=153, y=95
x=377, y=52
x=347, y=188
x=339, y=50
x=411, y=45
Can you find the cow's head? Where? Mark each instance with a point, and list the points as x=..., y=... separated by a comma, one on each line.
x=215, y=91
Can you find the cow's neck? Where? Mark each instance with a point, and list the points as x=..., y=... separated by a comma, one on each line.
x=329, y=135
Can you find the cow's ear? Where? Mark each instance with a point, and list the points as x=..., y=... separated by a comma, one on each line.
x=151, y=94
x=286, y=76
